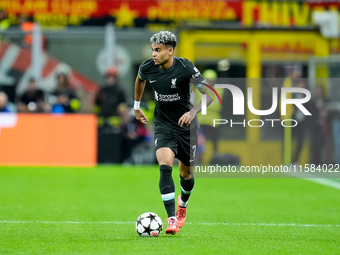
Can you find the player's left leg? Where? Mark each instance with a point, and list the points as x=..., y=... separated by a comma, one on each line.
x=187, y=185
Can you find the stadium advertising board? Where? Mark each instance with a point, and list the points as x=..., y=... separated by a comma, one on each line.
x=48, y=140
x=166, y=13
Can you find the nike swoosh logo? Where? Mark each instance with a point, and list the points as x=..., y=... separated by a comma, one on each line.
x=191, y=160
x=152, y=81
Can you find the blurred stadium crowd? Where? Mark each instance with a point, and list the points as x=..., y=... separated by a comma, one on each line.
x=118, y=131
x=110, y=97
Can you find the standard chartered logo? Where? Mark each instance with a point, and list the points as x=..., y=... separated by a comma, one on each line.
x=167, y=98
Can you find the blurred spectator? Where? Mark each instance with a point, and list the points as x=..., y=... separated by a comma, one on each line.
x=33, y=100
x=334, y=111
x=109, y=98
x=133, y=132
x=325, y=124
x=214, y=110
x=66, y=98
x=4, y=20
x=4, y=102
x=307, y=125
x=27, y=26
x=200, y=145
x=336, y=133
x=294, y=73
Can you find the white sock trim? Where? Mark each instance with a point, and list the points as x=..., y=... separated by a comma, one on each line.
x=182, y=204
x=169, y=196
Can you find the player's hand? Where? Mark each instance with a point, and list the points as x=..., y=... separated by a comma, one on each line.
x=185, y=119
x=141, y=117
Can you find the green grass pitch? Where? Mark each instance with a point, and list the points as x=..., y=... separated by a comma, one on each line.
x=47, y=210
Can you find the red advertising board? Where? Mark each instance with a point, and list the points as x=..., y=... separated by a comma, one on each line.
x=129, y=13
x=48, y=140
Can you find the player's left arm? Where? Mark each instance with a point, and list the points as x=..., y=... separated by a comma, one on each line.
x=188, y=117
x=202, y=88
x=200, y=83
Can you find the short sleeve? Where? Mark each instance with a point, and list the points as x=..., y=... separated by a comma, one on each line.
x=195, y=75
x=141, y=73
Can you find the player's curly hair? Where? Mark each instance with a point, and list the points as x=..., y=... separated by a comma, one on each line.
x=164, y=37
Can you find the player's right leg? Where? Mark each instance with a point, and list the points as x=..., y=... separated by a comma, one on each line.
x=165, y=157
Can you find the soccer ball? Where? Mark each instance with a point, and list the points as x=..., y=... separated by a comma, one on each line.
x=149, y=224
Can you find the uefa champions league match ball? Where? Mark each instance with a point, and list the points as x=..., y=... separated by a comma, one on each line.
x=149, y=224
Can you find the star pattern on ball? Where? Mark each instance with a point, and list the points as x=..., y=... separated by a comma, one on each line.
x=151, y=217
x=139, y=221
x=160, y=227
x=147, y=229
x=149, y=224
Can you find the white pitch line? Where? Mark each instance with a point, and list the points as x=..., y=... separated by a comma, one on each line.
x=271, y=224
x=314, y=178
x=197, y=223
x=65, y=222
x=325, y=182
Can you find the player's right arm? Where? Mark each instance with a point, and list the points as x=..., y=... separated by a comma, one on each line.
x=139, y=89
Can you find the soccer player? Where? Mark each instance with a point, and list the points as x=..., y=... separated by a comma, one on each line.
x=175, y=119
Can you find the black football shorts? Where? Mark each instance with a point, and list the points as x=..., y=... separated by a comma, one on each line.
x=183, y=144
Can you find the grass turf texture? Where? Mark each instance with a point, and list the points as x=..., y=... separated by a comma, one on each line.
x=89, y=197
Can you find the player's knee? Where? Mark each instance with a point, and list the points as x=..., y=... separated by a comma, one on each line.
x=164, y=162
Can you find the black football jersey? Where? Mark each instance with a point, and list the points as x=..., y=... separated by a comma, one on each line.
x=172, y=91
